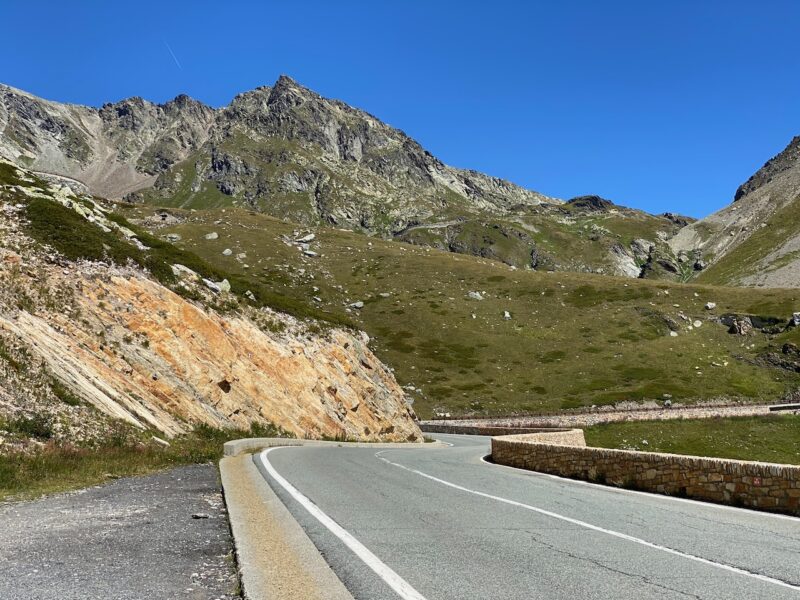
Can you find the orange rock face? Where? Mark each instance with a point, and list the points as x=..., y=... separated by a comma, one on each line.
x=144, y=354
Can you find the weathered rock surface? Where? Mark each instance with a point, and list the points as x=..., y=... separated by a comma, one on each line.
x=201, y=367
x=278, y=148
x=126, y=348
x=289, y=152
x=113, y=150
x=755, y=241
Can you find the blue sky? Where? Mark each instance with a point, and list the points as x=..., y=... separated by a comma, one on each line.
x=657, y=105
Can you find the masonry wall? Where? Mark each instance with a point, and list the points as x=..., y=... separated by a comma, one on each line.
x=751, y=484
x=482, y=429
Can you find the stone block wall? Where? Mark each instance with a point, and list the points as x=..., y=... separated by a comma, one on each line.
x=742, y=483
x=456, y=428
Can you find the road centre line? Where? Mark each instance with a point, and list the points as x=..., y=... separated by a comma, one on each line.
x=586, y=525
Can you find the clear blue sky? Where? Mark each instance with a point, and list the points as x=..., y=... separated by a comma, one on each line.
x=658, y=105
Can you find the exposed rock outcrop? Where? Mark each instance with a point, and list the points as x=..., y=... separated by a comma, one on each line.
x=182, y=365
x=291, y=153
x=755, y=240
x=591, y=203
x=113, y=343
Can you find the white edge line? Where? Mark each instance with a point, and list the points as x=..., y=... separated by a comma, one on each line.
x=586, y=525
x=392, y=579
x=610, y=488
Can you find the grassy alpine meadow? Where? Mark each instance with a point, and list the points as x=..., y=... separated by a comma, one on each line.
x=571, y=340
x=774, y=438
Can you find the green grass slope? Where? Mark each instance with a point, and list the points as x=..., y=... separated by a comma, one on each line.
x=573, y=340
x=768, y=439
x=759, y=252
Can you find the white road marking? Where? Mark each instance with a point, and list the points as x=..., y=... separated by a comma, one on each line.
x=586, y=525
x=749, y=511
x=392, y=579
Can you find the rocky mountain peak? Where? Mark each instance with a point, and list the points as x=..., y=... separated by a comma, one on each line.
x=788, y=158
x=182, y=102
x=594, y=203
x=130, y=113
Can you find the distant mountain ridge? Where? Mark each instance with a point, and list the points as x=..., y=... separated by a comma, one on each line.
x=755, y=241
x=135, y=140
x=287, y=151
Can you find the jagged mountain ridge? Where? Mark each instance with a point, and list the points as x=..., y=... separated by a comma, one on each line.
x=76, y=140
x=289, y=152
x=755, y=241
x=113, y=150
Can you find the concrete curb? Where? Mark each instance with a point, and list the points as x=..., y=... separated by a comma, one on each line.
x=276, y=559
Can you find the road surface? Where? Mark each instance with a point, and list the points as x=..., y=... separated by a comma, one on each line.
x=440, y=523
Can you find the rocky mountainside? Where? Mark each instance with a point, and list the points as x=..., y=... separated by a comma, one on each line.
x=113, y=150
x=756, y=240
x=288, y=152
x=102, y=324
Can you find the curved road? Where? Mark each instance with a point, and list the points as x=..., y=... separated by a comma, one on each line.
x=438, y=524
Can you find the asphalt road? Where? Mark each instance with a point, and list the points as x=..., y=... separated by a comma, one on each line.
x=436, y=524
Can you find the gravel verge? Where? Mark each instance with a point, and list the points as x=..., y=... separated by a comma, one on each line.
x=162, y=536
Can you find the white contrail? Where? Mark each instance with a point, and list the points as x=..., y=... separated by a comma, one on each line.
x=177, y=62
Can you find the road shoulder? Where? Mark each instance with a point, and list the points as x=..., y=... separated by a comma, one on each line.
x=163, y=535
x=275, y=556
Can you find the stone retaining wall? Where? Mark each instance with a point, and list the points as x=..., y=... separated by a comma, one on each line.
x=608, y=414
x=752, y=484
x=457, y=429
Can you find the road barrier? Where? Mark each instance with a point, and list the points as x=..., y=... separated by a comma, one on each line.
x=457, y=429
x=764, y=486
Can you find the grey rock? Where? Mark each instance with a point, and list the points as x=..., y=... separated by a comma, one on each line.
x=741, y=326
x=641, y=249
x=159, y=442
x=183, y=272
x=214, y=287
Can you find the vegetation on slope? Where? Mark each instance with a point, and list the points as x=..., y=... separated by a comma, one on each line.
x=769, y=439
x=57, y=468
x=573, y=340
x=758, y=253
x=75, y=238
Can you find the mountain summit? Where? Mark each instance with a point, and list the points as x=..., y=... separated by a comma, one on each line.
x=286, y=151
